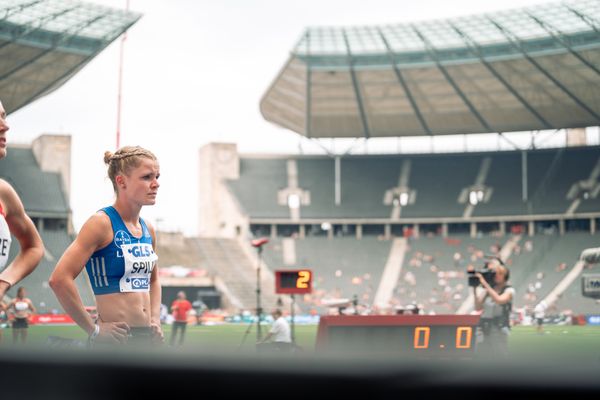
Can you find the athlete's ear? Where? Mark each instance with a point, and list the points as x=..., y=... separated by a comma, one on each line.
x=120, y=181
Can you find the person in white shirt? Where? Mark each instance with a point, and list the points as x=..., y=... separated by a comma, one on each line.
x=539, y=312
x=279, y=337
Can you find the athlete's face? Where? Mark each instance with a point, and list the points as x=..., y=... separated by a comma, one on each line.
x=141, y=185
x=3, y=129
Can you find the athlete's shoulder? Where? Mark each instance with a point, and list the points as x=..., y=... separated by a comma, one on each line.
x=96, y=229
x=98, y=219
x=9, y=198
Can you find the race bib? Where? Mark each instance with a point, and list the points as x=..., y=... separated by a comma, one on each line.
x=140, y=260
x=5, y=240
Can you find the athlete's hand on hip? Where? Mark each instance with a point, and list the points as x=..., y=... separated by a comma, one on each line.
x=157, y=334
x=113, y=332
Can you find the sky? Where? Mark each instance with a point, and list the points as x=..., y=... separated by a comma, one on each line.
x=194, y=72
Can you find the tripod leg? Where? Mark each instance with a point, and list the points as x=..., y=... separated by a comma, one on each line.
x=248, y=329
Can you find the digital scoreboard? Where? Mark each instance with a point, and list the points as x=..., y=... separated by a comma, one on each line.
x=590, y=285
x=293, y=281
x=419, y=336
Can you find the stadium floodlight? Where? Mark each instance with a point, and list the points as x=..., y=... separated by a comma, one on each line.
x=475, y=197
x=403, y=199
x=294, y=201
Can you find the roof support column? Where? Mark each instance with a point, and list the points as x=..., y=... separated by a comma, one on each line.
x=66, y=35
x=515, y=42
x=558, y=35
x=307, y=104
x=433, y=53
x=402, y=82
x=359, y=102
x=474, y=47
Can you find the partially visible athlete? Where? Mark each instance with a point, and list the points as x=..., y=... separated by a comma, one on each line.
x=22, y=308
x=14, y=221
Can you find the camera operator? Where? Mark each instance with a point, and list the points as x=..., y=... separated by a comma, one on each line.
x=591, y=255
x=495, y=304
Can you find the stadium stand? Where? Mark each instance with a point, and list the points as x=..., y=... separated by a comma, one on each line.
x=236, y=270
x=438, y=180
x=438, y=230
x=343, y=267
x=269, y=175
x=555, y=260
x=434, y=275
x=566, y=169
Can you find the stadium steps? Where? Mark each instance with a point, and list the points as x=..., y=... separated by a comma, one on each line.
x=237, y=271
x=390, y=274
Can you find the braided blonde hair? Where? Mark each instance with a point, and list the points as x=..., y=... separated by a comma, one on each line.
x=124, y=160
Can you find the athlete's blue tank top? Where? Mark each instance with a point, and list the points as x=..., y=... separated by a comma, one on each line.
x=126, y=263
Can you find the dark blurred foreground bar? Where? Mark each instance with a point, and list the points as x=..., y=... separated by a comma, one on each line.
x=67, y=374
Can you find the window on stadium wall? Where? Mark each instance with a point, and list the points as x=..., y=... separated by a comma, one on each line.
x=402, y=230
x=316, y=230
x=288, y=230
x=550, y=227
x=430, y=229
x=260, y=230
x=516, y=227
x=373, y=229
x=341, y=230
x=577, y=225
x=55, y=224
x=488, y=228
x=459, y=229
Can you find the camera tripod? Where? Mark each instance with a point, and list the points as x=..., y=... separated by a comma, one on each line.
x=258, y=244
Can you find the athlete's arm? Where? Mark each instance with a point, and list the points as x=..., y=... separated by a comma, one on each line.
x=31, y=306
x=21, y=226
x=155, y=295
x=95, y=234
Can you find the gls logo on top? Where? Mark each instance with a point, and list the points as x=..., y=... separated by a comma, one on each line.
x=145, y=265
x=140, y=251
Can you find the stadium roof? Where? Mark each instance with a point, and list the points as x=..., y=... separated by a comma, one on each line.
x=518, y=70
x=43, y=43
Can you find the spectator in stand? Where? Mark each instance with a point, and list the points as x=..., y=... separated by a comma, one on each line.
x=180, y=309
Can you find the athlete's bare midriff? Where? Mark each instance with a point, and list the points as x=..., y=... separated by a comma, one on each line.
x=132, y=308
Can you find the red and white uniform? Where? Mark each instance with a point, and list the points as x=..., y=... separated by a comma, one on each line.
x=5, y=239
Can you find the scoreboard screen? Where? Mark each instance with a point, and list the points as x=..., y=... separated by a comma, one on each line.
x=419, y=336
x=293, y=281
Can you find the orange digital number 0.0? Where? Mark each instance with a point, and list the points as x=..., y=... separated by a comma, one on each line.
x=463, y=337
x=303, y=279
x=421, y=340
